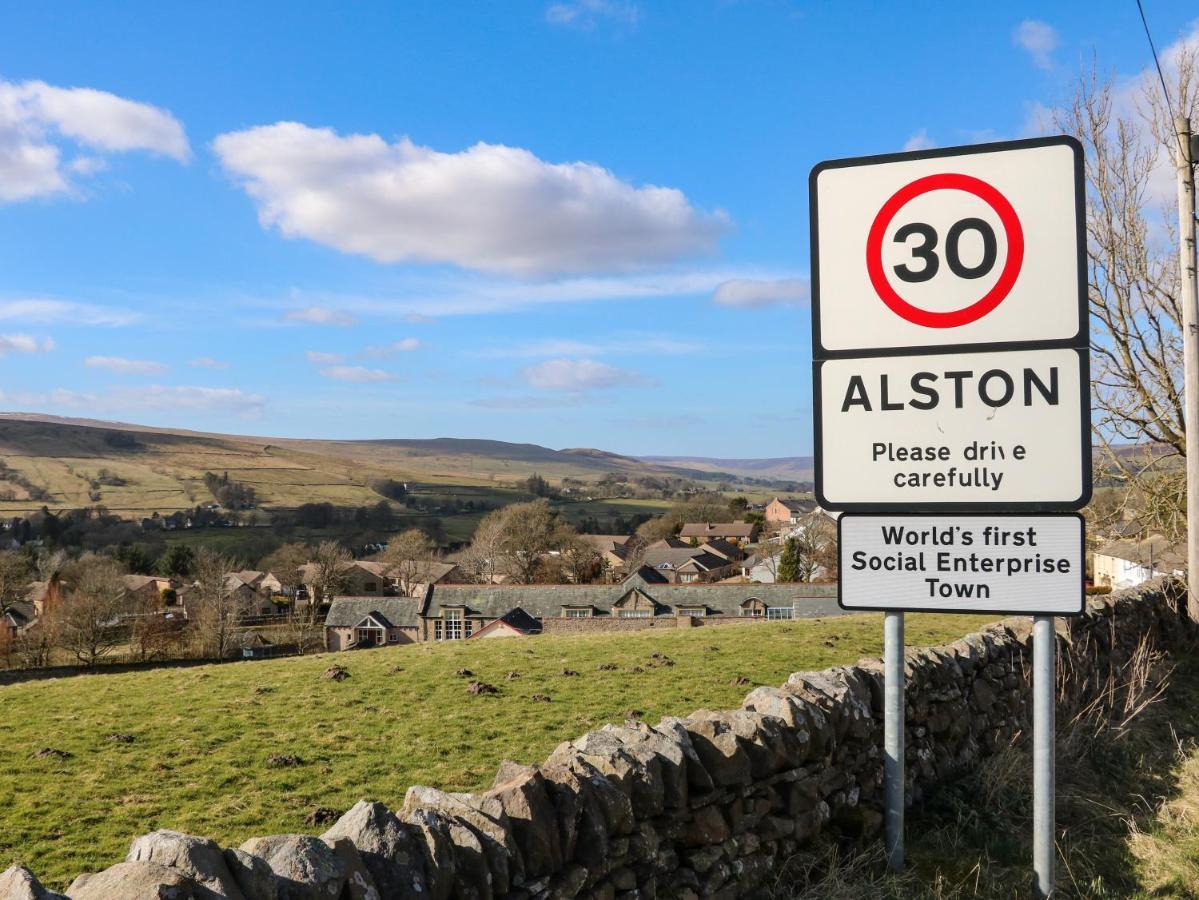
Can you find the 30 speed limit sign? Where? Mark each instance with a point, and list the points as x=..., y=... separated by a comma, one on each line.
x=973, y=246
x=949, y=328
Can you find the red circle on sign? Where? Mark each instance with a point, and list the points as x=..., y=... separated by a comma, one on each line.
x=1007, y=276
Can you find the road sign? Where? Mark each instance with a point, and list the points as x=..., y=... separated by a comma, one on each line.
x=954, y=431
x=962, y=247
x=1017, y=564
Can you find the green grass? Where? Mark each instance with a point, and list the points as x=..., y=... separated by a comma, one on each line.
x=202, y=735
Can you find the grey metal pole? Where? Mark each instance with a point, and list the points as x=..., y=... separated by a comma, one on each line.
x=1190, y=349
x=893, y=726
x=1044, y=853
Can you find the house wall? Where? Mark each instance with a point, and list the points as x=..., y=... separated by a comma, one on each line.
x=337, y=638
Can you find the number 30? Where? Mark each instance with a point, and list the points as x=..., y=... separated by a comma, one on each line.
x=925, y=251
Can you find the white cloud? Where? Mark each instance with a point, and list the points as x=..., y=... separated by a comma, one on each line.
x=629, y=346
x=1038, y=39
x=323, y=359
x=406, y=345
x=23, y=343
x=207, y=362
x=919, y=141
x=459, y=294
x=357, y=374
x=754, y=293
x=43, y=311
x=151, y=397
x=580, y=375
x=39, y=122
x=588, y=13
x=489, y=207
x=419, y=319
x=319, y=315
x=123, y=366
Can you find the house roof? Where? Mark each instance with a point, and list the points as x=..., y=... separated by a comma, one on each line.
x=346, y=612
x=137, y=582
x=20, y=613
x=604, y=542
x=547, y=600
x=646, y=576
x=671, y=557
x=721, y=547
x=1154, y=551
x=796, y=506
x=704, y=562
x=668, y=543
x=517, y=619
x=718, y=529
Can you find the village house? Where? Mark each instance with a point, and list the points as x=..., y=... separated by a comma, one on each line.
x=613, y=552
x=685, y=563
x=146, y=590
x=1125, y=564
x=363, y=622
x=367, y=578
x=735, y=532
x=784, y=511
x=15, y=618
x=451, y=612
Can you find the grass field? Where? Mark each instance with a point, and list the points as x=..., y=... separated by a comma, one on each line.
x=202, y=735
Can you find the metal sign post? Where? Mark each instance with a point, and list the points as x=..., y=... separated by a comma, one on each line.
x=952, y=398
x=1044, y=854
x=893, y=728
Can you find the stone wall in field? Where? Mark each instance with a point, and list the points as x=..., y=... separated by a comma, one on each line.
x=703, y=806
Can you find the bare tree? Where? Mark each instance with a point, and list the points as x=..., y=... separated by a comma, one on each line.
x=581, y=561
x=217, y=609
x=325, y=576
x=481, y=560
x=93, y=618
x=406, y=560
x=287, y=565
x=1133, y=283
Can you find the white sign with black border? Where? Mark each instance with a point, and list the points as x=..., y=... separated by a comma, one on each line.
x=960, y=247
x=1005, y=430
x=989, y=563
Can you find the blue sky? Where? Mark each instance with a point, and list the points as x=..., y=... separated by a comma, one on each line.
x=574, y=223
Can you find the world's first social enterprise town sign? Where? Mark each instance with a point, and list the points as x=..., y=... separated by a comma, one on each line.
x=949, y=329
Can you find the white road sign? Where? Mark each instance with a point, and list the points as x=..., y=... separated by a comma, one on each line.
x=967, y=246
x=1019, y=564
x=954, y=431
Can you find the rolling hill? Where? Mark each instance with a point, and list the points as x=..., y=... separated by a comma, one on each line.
x=782, y=468
x=134, y=470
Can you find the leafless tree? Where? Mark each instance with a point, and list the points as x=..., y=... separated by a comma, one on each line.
x=216, y=608
x=1133, y=282
x=406, y=560
x=581, y=561
x=93, y=619
x=528, y=532
x=287, y=564
x=481, y=560
x=325, y=576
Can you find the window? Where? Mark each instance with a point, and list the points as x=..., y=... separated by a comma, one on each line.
x=393, y=638
x=695, y=612
x=453, y=624
x=469, y=627
x=368, y=587
x=437, y=630
x=780, y=612
x=578, y=613
x=633, y=613
x=754, y=610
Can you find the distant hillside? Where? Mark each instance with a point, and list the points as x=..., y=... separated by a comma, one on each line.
x=783, y=468
x=134, y=470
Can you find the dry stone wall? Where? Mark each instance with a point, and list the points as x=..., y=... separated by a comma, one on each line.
x=702, y=806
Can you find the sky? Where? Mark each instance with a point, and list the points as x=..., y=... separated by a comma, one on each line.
x=577, y=223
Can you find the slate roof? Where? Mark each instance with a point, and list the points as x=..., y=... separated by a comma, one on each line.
x=1154, y=551
x=20, y=613
x=515, y=618
x=346, y=612
x=547, y=600
x=718, y=529
x=670, y=557
x=705, y=562
x=797, y=506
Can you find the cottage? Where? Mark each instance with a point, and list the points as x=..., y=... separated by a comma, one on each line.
x=1125, y=564
x=514, y=623
x=734, y=532
x=785, y=511
x=361, y=622
x=686, y=564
